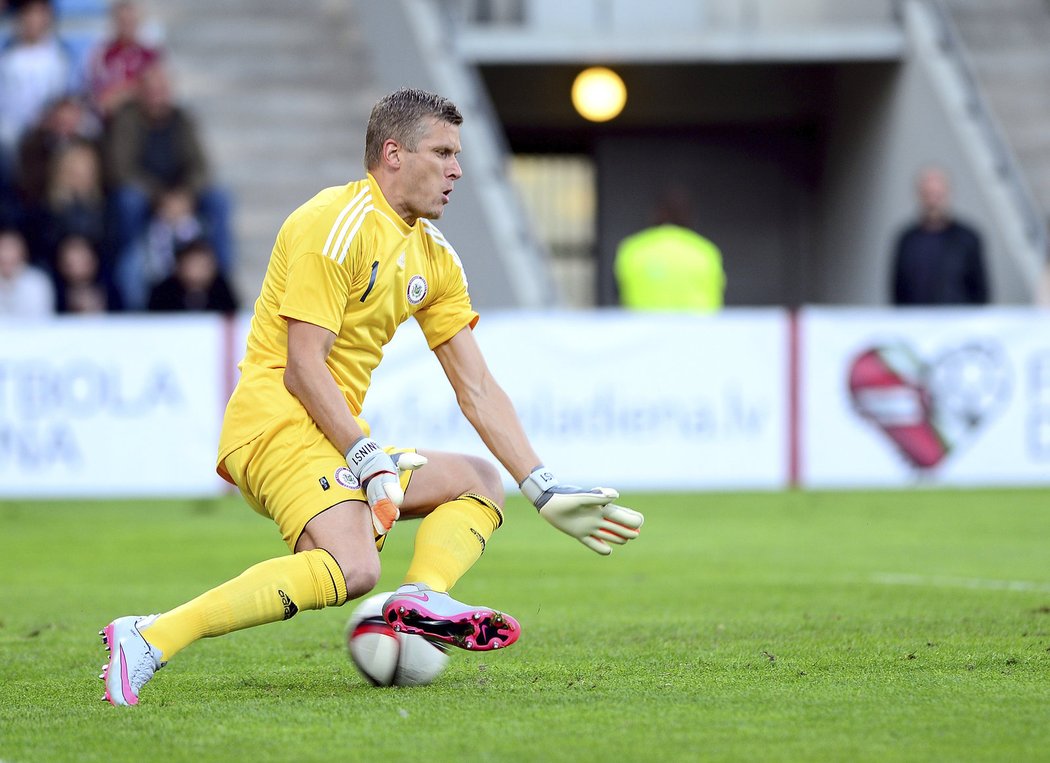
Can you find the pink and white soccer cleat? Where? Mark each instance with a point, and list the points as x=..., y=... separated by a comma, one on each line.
x=132, y=660
x=414, y=608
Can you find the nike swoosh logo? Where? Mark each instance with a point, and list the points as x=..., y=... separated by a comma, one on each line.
x=419, y=596
x=125, y=684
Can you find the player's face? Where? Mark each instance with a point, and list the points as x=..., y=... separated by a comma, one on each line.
x=429, y=173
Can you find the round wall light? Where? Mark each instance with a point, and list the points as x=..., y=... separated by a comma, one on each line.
x=598, y=94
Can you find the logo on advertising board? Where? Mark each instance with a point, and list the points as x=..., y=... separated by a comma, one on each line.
x=929, y=408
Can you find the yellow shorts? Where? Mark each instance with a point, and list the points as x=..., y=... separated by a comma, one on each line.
x=292, y=472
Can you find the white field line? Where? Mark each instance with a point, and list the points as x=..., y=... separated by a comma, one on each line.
x=944, y=581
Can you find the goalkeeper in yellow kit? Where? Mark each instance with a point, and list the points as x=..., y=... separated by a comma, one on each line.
x=348, y=267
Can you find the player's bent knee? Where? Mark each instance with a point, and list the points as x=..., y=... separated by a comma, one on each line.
x=360, y=570
x=489, y=482
x=361, y=577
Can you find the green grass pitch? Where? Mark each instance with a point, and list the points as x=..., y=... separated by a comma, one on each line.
x=795, y=626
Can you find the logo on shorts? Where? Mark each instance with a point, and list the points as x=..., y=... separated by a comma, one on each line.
x=417, y=289
x=324, y=483
x=346, y=478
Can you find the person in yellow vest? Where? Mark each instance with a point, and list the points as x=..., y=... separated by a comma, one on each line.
x=669, y=266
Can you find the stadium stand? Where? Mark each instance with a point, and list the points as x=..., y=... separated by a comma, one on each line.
x=280, y=124
x=87, y=9
x=82, y=24
x=46, y=204
x=283, y=102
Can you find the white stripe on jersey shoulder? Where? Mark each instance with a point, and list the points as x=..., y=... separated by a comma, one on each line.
x=345, y=250
x=440, y=240
x=354, y=211
x=434, y=233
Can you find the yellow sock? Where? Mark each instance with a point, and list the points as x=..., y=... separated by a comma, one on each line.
x=451, y=538
x=267, y=592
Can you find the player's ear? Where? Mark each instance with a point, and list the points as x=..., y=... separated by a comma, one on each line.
x=392, y=153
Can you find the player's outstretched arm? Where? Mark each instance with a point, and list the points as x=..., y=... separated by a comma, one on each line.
x=590, y=516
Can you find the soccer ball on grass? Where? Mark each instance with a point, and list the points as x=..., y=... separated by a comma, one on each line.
x=384, y=656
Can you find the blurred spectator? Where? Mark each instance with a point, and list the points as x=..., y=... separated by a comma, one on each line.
x=116, y=64
x=35, y=68
x=196, y=285
x=25, y=290
x=152, y=259
x=79, y=284
x=65, y=120
x=669, y=266
x=75, y=204
x=174, y=224
x=153, y=150
x=938, y=260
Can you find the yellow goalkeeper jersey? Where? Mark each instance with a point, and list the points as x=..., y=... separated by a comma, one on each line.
x=345, y=261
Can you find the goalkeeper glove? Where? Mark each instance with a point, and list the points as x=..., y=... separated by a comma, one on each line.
x=379, y=478
x=590, y=516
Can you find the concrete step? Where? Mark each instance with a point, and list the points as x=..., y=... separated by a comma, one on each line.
x=1009, y=47
x=320, y=111
x=281, y=91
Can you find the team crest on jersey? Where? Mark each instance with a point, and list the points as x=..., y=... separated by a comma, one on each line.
x=417, y=289
x=346, y=478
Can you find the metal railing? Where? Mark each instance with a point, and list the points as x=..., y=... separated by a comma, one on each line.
x=983, y=118
x=524, y=256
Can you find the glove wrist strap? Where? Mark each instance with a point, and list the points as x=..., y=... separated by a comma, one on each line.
x=537, y=483
x=359, y=452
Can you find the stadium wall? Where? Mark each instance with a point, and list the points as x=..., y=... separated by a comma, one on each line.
x=750, y=399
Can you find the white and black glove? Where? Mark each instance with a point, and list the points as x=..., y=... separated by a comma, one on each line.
x=590, y=516
x=379, y=476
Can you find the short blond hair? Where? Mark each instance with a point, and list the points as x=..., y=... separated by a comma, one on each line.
x=404, y=116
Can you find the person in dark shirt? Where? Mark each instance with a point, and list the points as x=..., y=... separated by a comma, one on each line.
x=153, y=150
x=938, y=259
x=196, y=285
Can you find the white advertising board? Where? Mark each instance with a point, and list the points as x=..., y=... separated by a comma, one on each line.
x=612, y=398
x=951, y=397
x=110, y=407
x=132, y=406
